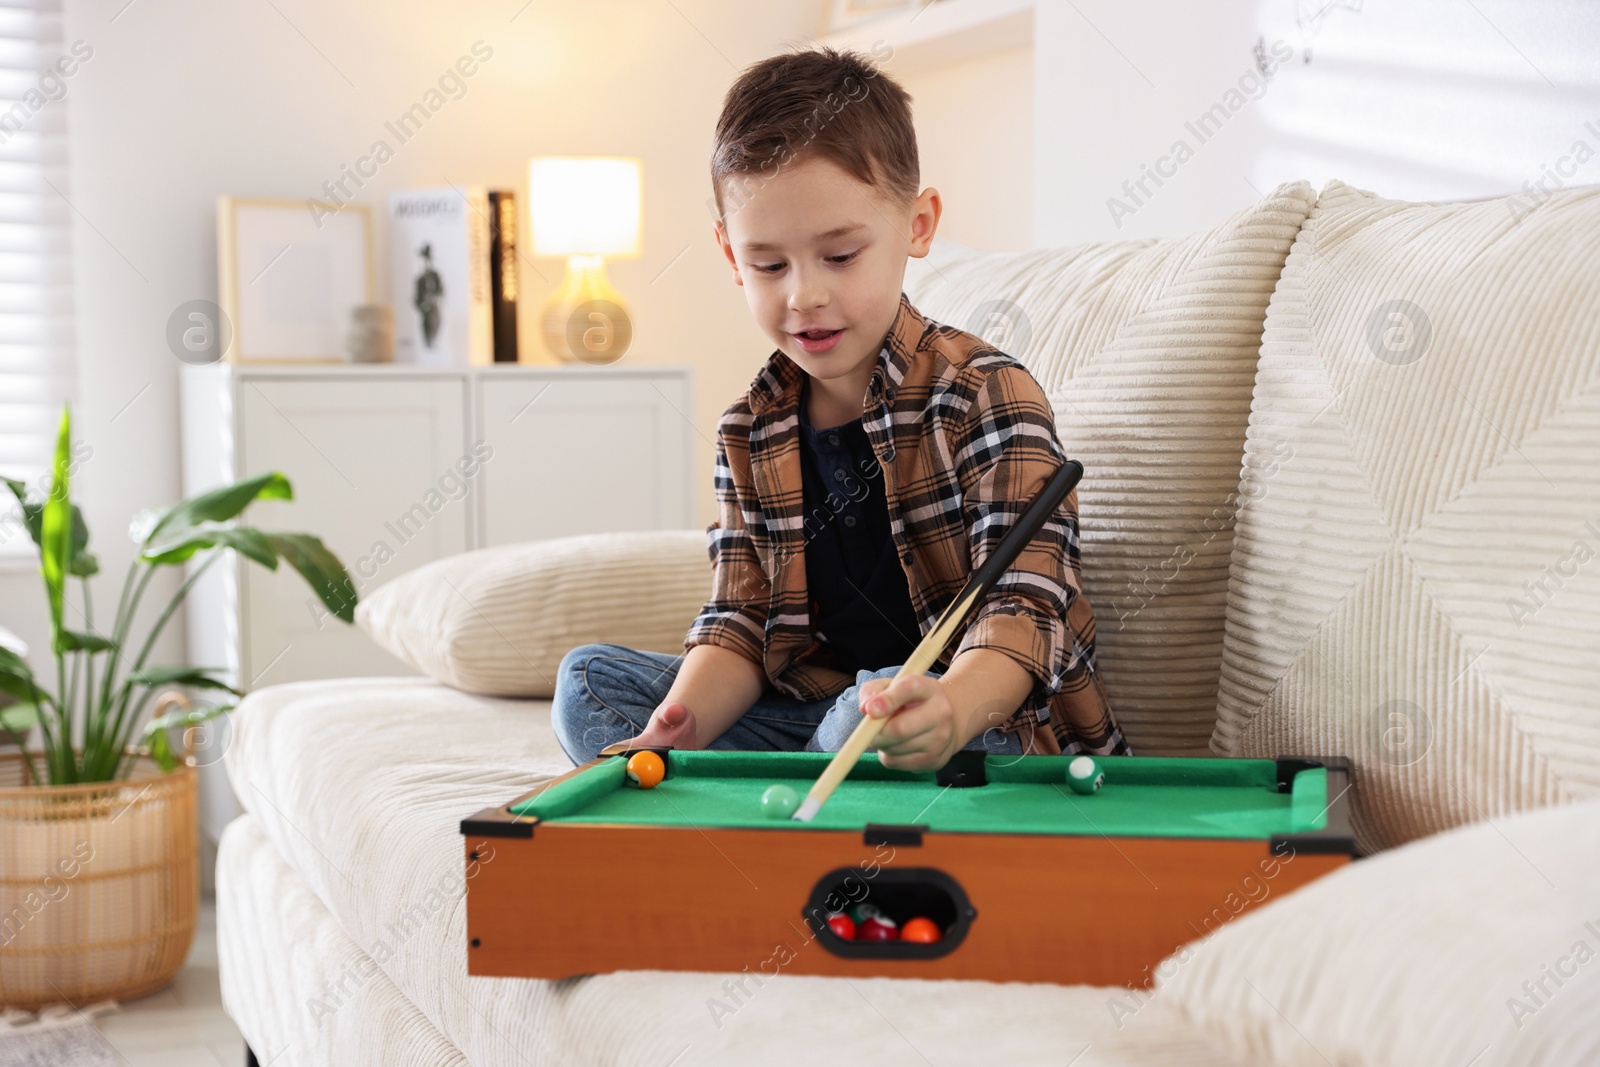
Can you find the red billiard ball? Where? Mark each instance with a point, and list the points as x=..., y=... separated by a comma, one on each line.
x=923, y=931
x=843, y=927
x=878, y=928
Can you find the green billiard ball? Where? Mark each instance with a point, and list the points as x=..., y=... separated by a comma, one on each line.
x=1084, y=775
x=863, y=911
x=779, y=801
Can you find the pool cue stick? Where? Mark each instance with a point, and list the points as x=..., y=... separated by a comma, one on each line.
x=928, y=650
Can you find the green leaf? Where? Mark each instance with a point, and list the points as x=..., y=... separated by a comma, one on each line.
x=16, y=677
x=161, y=751
x=78, y=641
x=190, y=717
x=155, y=731
x=199, y=677
x=30, y=510
x=247, y=540
x=321, y=569
x=82, y=562
x=19, y=717
x=219, y=505
x=55, y=530
x=210, y=535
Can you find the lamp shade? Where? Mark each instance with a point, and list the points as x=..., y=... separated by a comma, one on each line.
x=584, y=206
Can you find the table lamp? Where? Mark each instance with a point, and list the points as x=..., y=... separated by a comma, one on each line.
x=585, y=209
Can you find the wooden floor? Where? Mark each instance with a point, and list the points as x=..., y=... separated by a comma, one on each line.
x=183, y=1025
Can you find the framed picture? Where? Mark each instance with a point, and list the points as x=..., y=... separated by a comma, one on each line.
x=843, y=14
x=290, y=273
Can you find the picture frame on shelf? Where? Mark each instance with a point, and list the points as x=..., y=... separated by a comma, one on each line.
x=845, y=14
x=290, y=274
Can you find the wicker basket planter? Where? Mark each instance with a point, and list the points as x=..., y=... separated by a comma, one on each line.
x=99, y=884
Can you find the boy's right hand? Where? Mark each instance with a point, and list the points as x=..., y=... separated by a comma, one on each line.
x=670, y=726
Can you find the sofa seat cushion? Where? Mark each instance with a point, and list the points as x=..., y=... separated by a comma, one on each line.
x=1147, y=351
x=1414, y=575
x=359, y=785
x=299, y=988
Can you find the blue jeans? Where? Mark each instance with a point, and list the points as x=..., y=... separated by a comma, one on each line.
x=606, y=693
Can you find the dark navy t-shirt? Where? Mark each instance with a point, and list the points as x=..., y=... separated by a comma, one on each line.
x=860, y=602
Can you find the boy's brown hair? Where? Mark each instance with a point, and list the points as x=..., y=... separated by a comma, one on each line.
x=821, y=103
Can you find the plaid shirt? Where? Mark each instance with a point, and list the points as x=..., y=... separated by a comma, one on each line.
x=965, y=438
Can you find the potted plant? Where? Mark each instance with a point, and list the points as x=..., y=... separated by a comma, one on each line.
x=99, y=836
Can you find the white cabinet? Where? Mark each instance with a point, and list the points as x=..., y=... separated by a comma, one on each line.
x=394, y=467
x=583, y=454
x=361, y=460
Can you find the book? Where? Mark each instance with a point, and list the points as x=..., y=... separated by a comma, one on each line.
x=440, y=276
x=503, y=273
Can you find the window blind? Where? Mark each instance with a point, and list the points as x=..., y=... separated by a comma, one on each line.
x=36, y=342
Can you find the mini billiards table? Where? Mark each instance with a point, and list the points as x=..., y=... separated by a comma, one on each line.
x=1023, y=878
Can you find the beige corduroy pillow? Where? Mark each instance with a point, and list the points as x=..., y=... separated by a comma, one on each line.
x=1476, y=946
x=497, y=621
x=1415, y=577
x=1147, y=351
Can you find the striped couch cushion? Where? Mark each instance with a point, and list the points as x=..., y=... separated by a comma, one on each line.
x=1472, y=947
x=1415, y=581
x=1147, y=350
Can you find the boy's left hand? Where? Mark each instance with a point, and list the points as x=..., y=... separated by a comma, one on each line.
x=921, y=733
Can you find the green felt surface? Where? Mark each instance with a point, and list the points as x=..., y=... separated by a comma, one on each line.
x=1142, y=796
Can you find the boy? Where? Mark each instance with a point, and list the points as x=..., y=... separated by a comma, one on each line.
x=871, y=465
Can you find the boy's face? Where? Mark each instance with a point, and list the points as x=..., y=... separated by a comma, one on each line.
x=816, y=249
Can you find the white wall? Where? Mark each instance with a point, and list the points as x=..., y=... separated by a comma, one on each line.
x=1421, y=100
x=975, y=145
x=1434, y=99
x=1114, y=84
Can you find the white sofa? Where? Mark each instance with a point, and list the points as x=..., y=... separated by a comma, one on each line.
x=1342, y=497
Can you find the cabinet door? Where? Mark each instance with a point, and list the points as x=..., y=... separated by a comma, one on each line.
x=374, y=468
x=579, y=453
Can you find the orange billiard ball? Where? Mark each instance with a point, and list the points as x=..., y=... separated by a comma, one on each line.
x=925, y=931
x=646, y=769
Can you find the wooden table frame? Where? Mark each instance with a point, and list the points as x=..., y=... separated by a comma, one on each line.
x=557, y=899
